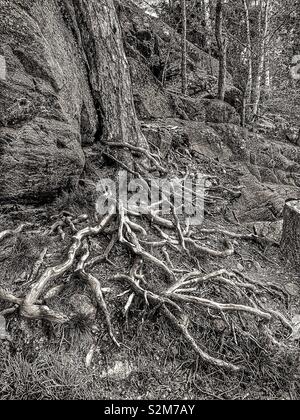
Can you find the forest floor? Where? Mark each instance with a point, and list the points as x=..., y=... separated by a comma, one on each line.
x=45, y=361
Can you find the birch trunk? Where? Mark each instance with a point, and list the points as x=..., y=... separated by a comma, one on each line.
x=249, y=80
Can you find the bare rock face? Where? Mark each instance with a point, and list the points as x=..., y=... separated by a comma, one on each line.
x=177, y=133
x=46, y=107
x=235, y=138
x=151, y=38
x=269, y=230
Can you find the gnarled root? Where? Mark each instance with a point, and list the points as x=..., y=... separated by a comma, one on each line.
x=179, y=290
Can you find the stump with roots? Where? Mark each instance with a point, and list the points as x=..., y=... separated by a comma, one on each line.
x=290, y=243
x=185, y=295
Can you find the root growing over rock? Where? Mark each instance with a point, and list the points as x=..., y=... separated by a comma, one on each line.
x=180, y=292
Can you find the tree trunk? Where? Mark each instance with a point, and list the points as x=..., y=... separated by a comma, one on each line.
x=267, y=77
x=222, y=47
x=249, y=80
x=290, y=243
x=263, y=30
x=109, y=74
x=184, y=48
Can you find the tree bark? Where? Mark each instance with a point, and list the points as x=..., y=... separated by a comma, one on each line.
x=222, y=47
x=290, y=243
x=110, y=82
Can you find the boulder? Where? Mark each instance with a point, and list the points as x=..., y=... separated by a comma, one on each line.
x=193, y=135
x=236, y=138
x=38, y=160
x=269, y=230
x=265, y=126
x=234, y=97
x=150, y=37
x=268, y=173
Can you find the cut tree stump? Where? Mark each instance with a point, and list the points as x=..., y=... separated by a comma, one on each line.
x=290, y=242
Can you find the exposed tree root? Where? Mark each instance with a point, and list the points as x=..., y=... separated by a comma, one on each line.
x=154, y=159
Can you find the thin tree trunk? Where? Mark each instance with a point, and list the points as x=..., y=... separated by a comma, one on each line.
x=184, y=48
x=207, y=24
x=264, y=15
x=109, y=74
x=249, y=80
x=222, y=47
x=209, y=31
x=267, y=76
x=171, y=44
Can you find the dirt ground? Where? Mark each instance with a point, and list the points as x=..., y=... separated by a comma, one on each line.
x=46, y=361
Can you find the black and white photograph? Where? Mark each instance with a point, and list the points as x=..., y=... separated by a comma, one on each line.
x=149, y=203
